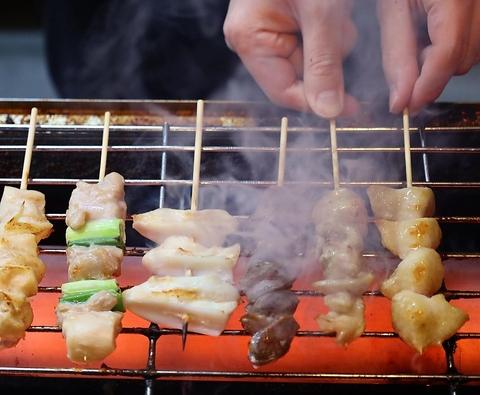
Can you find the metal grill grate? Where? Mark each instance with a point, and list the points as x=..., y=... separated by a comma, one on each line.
x=71, y=139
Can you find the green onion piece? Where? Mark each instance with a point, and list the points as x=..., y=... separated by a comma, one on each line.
x=100, y=232
x=81, y=291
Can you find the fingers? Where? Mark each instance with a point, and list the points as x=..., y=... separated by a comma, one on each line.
x=399, y=51
x=264, y=36
x=449, y=30
x=322, y=48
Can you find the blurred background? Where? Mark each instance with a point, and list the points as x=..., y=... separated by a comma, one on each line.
x=142, y=49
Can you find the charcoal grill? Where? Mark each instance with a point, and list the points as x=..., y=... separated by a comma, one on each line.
x=445, y=153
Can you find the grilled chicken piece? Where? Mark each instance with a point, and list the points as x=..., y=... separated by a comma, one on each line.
x=16, y=316
x=23, y=211
x=401, y=204
x=10, y=258
x=24, y=243
x=93, y=263
x=90, y=335
x=104, y=200
x=178, y=255
x=341, y=207
x=345, y=318
x=206, y=227
x=401, y=237
x=272, y=336
x=355, y=286
x=421, y=321
x=18, y=279
x=101, y=301
x=421, y=271
x=205, y=302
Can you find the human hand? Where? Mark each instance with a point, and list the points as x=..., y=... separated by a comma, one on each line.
x=417, y=75
x=294, y=49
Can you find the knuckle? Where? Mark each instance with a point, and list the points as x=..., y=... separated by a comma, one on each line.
x=236, y=35
x=323, y=65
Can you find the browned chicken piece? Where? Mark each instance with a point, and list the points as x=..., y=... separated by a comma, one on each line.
x=401, y=204
x=11, y=258
x=19, y=279
x=23, y=211
x=421, y=271
x=15, y=317
x=401, y=237
x=103, y=200
x=421, y=321
x=24, y=243
x=94, y=263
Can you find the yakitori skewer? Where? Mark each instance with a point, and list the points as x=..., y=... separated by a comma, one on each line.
x=406, y=143
x=282, y=151
x=29, y=148
x=105, y=137
x=340, y=219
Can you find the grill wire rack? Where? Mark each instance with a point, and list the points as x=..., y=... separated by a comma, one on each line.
x=171, y=142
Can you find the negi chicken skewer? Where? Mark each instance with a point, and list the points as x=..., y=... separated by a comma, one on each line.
x=402, y=218
x=340, y=219
x=22, y=225
x=90, y=308
x=272, y=269
x=192, y=283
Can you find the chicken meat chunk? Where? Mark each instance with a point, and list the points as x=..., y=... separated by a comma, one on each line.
x=401, y=237
x=422, y=321
x=401, y=204
x=179, y=255
x=206, y=227
x=104, y=200
x=94, y=262
x=205, y=302
x=16, y=316
x=421, y=271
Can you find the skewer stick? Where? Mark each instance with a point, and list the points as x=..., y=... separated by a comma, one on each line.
x=333, y=142
x=406, y=143
x=282, y=154
x=28, y=151
x=105, y=136
x=197, y=156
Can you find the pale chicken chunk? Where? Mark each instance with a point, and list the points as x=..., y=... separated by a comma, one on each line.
x=205, y=302
x=401, y=237
x=347, y=321
x=206, y=227
x=178, y=255
x=104, y=200
x=91, y=335
x=18, y=279
x=401, y=204
x=94, y=262
x=421, y=321
x=16, y=316
x=23, y=211
x=342, y=206
x=11, y=258
x=24, y=243
x=355, y=286
x=421, y=271
x=101, y=301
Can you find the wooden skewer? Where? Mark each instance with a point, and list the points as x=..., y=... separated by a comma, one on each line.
x=406, y=143
x=282, y=154
x=333, y=142
x=28, y=151
x=105, y=136
x=197, y=156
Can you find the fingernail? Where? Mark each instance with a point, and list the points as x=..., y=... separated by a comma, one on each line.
x=329, y=104
x=393, y=100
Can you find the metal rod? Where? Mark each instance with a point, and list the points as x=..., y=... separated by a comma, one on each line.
x=163, y=168
x=423, y=143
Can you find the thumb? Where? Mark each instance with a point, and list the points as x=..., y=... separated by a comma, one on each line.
x=322, y=45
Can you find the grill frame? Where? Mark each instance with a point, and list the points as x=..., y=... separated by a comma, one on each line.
x=176, y=109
